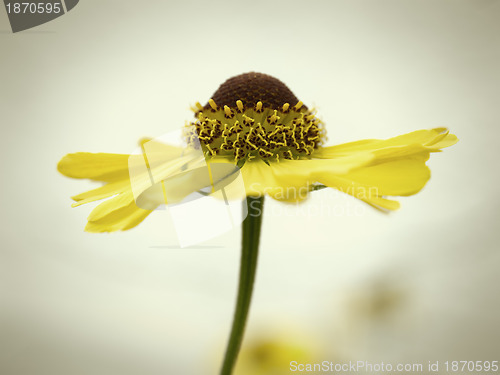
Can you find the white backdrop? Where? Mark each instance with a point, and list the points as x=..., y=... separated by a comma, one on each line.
x=417, y=285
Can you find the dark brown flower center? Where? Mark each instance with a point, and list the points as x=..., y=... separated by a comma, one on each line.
x=252, y=88
x=254, y=115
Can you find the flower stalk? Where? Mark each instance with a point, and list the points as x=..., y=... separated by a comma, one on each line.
x=249, y=254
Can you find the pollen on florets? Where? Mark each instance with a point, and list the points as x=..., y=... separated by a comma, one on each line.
x=254, y=115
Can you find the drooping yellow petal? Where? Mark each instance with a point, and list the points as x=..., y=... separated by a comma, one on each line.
x=372, y=183
x=397, y=178
x=397, y=168
x=144, y=176
x=175, y=180
x=109, y=167
x=421, y=140
x=123, y=211
x=382, y=204
x=291, y=180
x=95, y=166
x=260, y=179
x=110, y=205
x=362, y=192
x=117, y=213
x=101, y=192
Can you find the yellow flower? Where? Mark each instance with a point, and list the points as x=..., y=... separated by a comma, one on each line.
x=277, y=355
x=254, y=122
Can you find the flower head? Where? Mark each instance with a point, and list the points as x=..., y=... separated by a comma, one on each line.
x=254, y=115
x=255, y=123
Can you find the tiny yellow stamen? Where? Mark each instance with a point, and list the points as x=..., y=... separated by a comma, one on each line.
x=263, y=139
x=273, y=118
x=264, y=153
x=285, y=107
x=211, y=151
x=251, y=144
x=298, y=105
x=247, y=120
x=212, y=104
x=309, y=117
x=227, y=132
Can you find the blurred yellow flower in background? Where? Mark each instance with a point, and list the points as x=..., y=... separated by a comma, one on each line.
x=272, y=355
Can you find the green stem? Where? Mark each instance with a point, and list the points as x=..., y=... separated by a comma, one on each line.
x=249, y=253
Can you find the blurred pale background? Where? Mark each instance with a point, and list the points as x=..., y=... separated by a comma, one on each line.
x=418, y=285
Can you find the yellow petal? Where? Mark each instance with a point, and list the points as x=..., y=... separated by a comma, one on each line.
x=447, y=141
x=362, y=192
x=143, y=177
x=110, y=167
x=400, y=177
x=110, y=205
x=118, y=213
x=382, y=204
x=261, y=178
x=172, y=181
x=291, y=180
x=371, y=183
x=421, y=140
x=397, y=168
x=158, y=150
x=102, y=192
x=95, y=166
